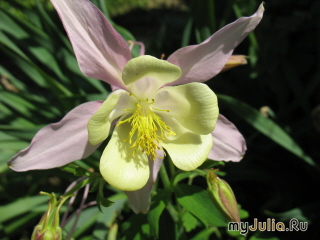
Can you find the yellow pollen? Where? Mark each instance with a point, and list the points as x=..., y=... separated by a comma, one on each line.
x=151, y=130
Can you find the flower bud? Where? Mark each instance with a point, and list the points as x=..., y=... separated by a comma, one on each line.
x=234, y=61
x=223, y=197
x=49, y=226
x=48, y=234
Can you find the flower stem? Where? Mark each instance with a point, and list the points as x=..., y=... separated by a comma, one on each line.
x=200, y=172
x=172, y=168
x=164, y=177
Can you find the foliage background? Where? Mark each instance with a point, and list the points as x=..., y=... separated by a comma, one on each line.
x=278, y=178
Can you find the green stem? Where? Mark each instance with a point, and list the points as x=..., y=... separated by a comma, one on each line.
x=77, y=170
x=180, y=212
x=164, y=176
x=217, y=232
x=172, y=168
x=173, y=212
x=201, y=172
x=80, y=185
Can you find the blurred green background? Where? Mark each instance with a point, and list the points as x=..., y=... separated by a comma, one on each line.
x=274, y=100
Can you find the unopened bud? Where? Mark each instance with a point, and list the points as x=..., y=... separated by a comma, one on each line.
x=49, y=226
x=48, y=234
x=234, y=61
x=223, y=197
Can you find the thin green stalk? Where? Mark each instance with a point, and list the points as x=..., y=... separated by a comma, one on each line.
x=201, y=172
x=217, y=232
x=172, y=168
x=80, y=185
x=164, y=176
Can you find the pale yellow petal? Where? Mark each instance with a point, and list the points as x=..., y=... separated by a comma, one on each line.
x=100, y=122
x=119, y=167
x=193, y=105
x=187, y=150
x=144, y=75
x=145, y=65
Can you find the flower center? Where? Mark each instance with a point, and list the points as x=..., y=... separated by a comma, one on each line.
x=150, y=129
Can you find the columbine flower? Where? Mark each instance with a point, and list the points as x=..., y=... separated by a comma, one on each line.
x=154, y=114
x=179, y=119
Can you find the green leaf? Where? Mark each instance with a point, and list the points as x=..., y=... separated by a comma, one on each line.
x=15, y=145
x=208, y=164
x=4, y=111
x=189, y=221
x=157, y=206
x=299, y=213
x=187, y=33
x=23, y=132
x=87, y=218
x=169, y=229
x=46, y=58
x=21, y=206
x=197, y=201
x=263, y=236
x=183, y=175
x=105, y=202
x=4, y=157
x=127, y=36
x=8, y=25
x=11, y=79
x=108, y=216
x=52, y=26
x=101, y=200
x=16, y=102
x=204, y=234
x=136, y=227
x=81, y=184
x=19, y=222
x=26, y=67
x=204, y=19
x=265, y=126
x=6, y=41
x=243, y=213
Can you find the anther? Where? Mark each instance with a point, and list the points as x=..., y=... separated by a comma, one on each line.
x=131, y=94
x=162, y=110
x=147, y=129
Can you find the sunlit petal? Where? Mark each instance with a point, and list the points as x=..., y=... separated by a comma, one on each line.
x=59, y=143
x=120, y=167
x=139, y=200
x=228, y=142
x=146, y=74
x=201, y=62
x=101, y=52
x=187, y=150
x=99, y=124
x=194, y=105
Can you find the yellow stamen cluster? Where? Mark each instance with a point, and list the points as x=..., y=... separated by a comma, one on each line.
x=151, y=130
